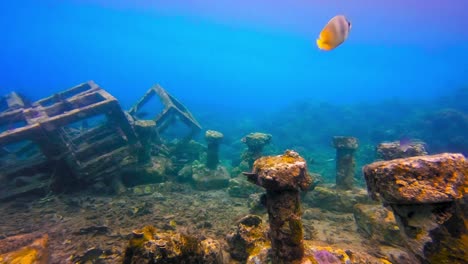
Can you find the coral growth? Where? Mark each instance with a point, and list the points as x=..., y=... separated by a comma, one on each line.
x=149, y=245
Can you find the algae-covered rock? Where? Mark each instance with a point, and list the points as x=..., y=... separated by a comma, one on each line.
x=394, y=150
x=377, y=223
x=241, y=187
x=185, y=174
x=418, y=180
x=332, y=199
x=148, y=245
x=25, y=249
x=429, y=198
x=211, y=251
x=207, y=179
x=281, y=172
x=336, y=255
x=249, y=238
x=257, y=203
x=154, y=171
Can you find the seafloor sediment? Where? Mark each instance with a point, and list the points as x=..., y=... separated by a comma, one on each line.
x=77, y=223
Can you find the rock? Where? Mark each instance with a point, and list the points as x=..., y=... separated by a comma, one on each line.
x=212, y=251
x=95, y=230
x=155, y=171
x=249, y=237
x=398, y=256
x=207, y=179
x=100, y=187
x=257, y=203
x=331, y=199
x=377, y=223
x=250, y=244
x=241, y=187
x=142, y=190
x=90, y=256
x=418, y=180
x=149, y=245
x=393, y=150
x=185, y=174
x=25, y=249
x=429, y=198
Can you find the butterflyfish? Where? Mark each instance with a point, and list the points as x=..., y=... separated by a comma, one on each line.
x=334, y=33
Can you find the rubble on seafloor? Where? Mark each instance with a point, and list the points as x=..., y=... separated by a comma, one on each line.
x=144, y=200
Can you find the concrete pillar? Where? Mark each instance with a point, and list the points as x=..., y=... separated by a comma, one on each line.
x=345, y=161
x=255, y=143
x=213, y=139
x=283, y=177
x=429, y=197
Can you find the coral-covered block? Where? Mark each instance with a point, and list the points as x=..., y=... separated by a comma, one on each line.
x=418, y=180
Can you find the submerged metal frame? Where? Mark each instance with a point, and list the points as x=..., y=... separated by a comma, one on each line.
x=85, y=156
x=172, y=111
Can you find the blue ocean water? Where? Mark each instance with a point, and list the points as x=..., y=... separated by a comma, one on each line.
x=236, y=61
x=103, y=191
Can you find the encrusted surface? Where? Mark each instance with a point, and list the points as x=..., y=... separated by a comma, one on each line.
x=394, y=150
x=282, y=172
x=341, y=142
x=422, y=179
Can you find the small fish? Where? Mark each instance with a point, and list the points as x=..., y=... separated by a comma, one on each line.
x=334, y=33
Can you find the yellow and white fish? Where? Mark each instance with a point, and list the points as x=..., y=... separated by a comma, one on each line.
x=334, y=33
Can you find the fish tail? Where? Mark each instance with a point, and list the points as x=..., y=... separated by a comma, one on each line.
x=322, y=45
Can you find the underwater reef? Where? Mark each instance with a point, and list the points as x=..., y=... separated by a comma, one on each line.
x=101, y=184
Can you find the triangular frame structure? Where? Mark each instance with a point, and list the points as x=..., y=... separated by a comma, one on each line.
x=173, y=109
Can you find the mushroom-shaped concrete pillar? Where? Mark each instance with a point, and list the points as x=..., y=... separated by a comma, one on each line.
x=428, y=195
x=283, y=177
x=255, y=143
x=345, y=161
x=213, y=139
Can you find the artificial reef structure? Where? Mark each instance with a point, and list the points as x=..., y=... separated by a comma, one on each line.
x=82, y=137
